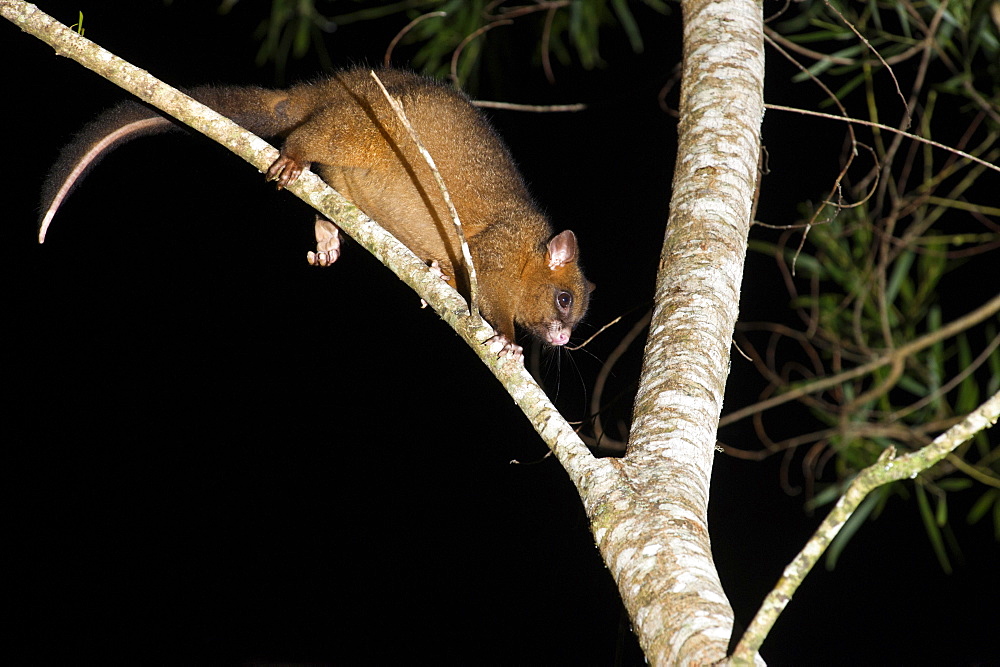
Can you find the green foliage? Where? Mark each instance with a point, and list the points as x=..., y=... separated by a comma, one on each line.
x=562, y=29
x=967, y=40
x=566, y=29
x=879, y=249
x=988, y=503
x=856, y=520
x=78, y=26
x=293, y=28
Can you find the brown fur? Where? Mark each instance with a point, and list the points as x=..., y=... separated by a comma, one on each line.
x=345, y=130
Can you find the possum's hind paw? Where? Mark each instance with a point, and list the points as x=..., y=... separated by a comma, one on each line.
x=327, y=243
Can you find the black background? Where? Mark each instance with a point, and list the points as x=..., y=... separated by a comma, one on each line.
x=216, y=453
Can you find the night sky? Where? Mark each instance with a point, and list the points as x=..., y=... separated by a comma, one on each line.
x=217, y=453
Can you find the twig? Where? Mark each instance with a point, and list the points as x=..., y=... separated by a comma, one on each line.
x=550, y=16
x=906, y=107
x=409, y=26
x=850, y=159
x=608, y=365
x=774, y=36
x=914, y=137
x=989, y=308
x=887, y=469
x=466, y=253
x=595, y=334
x=465, y=42
x=534, y=108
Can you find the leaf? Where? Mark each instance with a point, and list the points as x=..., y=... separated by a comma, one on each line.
x=931, y=526
x=968, y=389
x=852, y=525
x=983, y=505
x=941, y=515
x=993, y=362
x=825, y=497
x=900, y=273
x=629, y=25
x=953, y=484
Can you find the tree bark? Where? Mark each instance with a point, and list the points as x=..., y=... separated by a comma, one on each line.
x=652, y=524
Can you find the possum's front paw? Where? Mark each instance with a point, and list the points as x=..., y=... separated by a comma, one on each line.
x=327, y=243
x=502, y=347
x=285, y=170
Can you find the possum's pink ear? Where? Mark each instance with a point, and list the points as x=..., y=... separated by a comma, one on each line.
x=562, y=249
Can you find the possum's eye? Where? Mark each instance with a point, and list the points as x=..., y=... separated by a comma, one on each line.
x=564, y=300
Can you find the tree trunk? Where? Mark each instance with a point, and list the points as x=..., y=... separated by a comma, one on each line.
x=651, y=519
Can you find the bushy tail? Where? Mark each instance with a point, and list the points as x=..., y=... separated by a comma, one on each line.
x=263, y=112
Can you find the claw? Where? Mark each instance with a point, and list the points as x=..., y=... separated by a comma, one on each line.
x=502, y=347
x=435, y=267
x=285, y=170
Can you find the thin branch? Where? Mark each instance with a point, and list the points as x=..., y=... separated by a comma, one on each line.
x=971, y=319
x=914, y=137
x=605, y=372
x=465, y=42
x=546, y=39
x=534, y=108
x=850, y=159
x=774, y=36
x=951, y=384
x=887, y=469
x=878, y=55
x=407, y=28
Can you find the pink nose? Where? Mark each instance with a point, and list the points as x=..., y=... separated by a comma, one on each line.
x=559, y=338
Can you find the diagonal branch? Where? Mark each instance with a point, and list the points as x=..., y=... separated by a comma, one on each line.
x=548, y=422
x=893, y=357
x=886, y=469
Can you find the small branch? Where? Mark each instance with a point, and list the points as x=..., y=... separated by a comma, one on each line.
x=971, y=319
x=887, y=469
x=776, y=37
x=465, y=42
x=534, y=108
x=878, y=55
x=546, y=40
x=608, y=366
x=851, y=155
x=887, y=128
x=387, y=59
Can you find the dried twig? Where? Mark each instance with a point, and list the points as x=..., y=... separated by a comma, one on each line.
x=466, y=253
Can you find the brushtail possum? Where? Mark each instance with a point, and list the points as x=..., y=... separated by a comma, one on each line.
x=344, y=128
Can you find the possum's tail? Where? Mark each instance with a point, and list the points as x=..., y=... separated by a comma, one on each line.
x=261, y=111
x=109, y=130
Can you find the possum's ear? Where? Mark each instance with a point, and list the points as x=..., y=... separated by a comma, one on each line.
x=562, y=249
